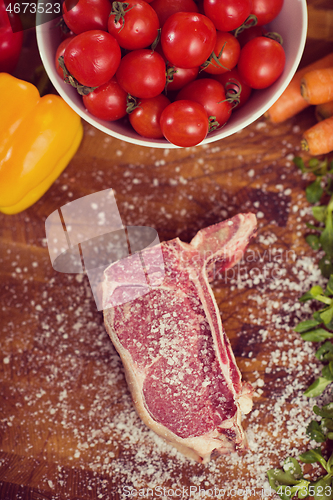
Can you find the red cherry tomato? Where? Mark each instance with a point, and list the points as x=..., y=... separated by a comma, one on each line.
x=249, y=33
x=92, y=57
x=261, y=62
x=184, y=123
x=145, y=119
x=165, y=8
x=10, y=42
x=179, y=77
x=85, y=15
x=266, y=10
x=141, y=73
x=60, y=52
x=138, y=26
x=107, y=102
x=228, y=46
x=188, y=39
x=200, y=7
x=227, y=15
x=210, y=94
x=231, y=82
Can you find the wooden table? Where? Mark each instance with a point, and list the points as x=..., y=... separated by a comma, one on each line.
x=67, y=425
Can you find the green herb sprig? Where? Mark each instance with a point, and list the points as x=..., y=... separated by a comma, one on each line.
x=319, y=329
x=290, y=481
x=321, y=187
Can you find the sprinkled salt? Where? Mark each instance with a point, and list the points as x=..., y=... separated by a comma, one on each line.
x=261, y=125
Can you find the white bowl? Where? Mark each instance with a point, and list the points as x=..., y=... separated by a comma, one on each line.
x=291, y=24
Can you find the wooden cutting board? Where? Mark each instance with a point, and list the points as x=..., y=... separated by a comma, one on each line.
x=68, y=429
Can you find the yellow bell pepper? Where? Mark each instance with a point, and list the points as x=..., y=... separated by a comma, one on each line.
x=38, y=138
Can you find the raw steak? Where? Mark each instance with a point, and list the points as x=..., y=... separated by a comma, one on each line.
x=178, y=361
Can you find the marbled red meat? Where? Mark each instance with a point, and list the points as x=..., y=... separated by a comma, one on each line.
x=167, y=328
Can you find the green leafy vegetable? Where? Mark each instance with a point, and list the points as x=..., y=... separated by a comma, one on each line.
x=313, y=241
x=289, y=481
x=327, y=371
x=314, y=191
x=317, y=335
x=325, y=352
x=318, y=386
x=313, y=293
x=319, y=213
x=318, y=329
x=306, y=325
x=325, y=411
x=313, y=456
x=315, y=432
x=320, y=188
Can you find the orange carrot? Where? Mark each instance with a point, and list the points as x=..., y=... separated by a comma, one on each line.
x=317, y=86
x=291, y=101
x=324, y=110
x=318, y=140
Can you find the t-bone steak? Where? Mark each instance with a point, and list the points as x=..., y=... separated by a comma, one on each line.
x=179, y=365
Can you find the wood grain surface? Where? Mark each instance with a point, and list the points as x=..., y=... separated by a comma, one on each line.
x=67, y=426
